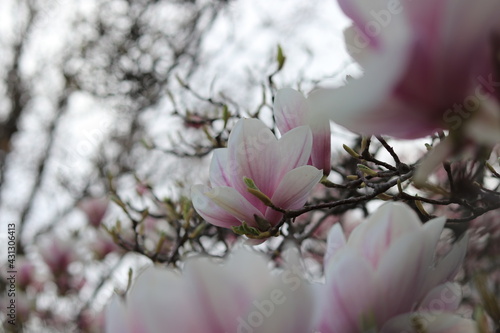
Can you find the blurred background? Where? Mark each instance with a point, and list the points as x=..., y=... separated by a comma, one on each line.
x=108, y=100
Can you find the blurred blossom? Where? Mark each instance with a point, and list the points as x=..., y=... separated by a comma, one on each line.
x=427, y=64
x=155, y=231
x=90, y=322
x=25, y=273
x=311, y=219
x=290, y=111
x=277, y=167
x=102, y=245
x=241, y=296
x=58, y=255
x=141, y=188
x=69, y=284
x=386, y=277
x=94, y=209
x=350, y=220
x=192, y=120
x=483, y=254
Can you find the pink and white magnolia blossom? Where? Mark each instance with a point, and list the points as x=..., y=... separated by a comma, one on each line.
x=278, y=168
x=240, y=296
x=291, y=110
x=386, y=278
x=95, y=209
x=427, y=65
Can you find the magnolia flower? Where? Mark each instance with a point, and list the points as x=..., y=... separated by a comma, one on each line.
x=277, y=167
x=241, y=296
x=95, y=210
x=386, y=278
x=291, y=110
x=427, y=65
x=58, y=254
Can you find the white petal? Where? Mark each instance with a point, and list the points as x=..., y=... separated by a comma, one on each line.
x=321, y=153
x=390, y=222
x=336, y=240
x=235, y=204
x=350, y=104
x=432, y=160
x=209, y=210
x=290, y=109
x=401, y=274
x=220, y=298
x=349, y=294
x=158, y=298
x=295, y=187
x=219, y=175
x=294, y=150
x=432, y=230
x=117, y=317
x=448, y=266
x=443, y=298
x=253, y=153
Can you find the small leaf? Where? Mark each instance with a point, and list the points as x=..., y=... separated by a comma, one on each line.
x=280, y=57
x=245, y=229
x=363, y=168
x=254, y=190
x=351, y=151
x=263, y=224
x=261, y=196
x=250, y=183
x=225, y=114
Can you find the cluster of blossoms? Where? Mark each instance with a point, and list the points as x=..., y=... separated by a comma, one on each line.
x=257, y=170
x=57, y=272
x=385, y=277
x=428, y=65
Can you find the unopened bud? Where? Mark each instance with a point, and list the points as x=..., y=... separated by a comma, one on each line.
x=421, y=208
x=384, y=196
x=351, y=152
x=366, y=170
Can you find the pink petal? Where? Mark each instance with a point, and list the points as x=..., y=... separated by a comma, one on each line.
x=446, y=56
x=401, y=274
x=290, y=109
x=218, y=168
x=431, y=161
x=253, y=153
x=228, y=296
x=294, y=189
x=235, y=204
x=461, y=50
x=360, y=11
x=294, y=149
x=351, y=105
x=321, y=153
x=349, y=294
x=444, y=298
x=432, y=232
x=158, y=298
x=390, y=222
x=336, y=241
x=448, y=266
x=295, y=314
x=215, y=292
x=209, y=210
